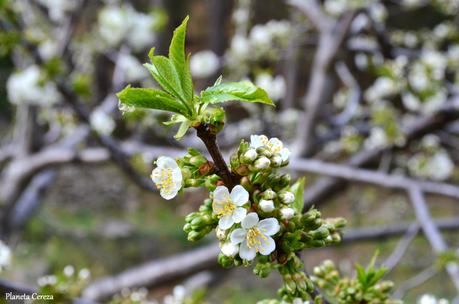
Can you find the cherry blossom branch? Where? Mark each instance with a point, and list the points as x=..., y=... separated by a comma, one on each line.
x=210, y=141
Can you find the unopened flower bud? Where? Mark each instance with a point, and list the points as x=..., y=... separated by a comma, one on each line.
x=269, y=194
x=249, y=156
x=262, y=163
x=264, y=151
x=287, y=197
x=229, y=249
x=287, y=213
x=266, y=205
x=276, y=161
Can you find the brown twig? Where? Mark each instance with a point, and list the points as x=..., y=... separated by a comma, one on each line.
x=209, y=139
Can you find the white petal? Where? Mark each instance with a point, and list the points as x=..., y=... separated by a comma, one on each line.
x=255, y=141
x=250, y=220
x=275, y=143
x=225, y=222
x=239, y=196
x=177, y=175
x=168, y=194
x=156, y=175
x=221, y=193
x=267, y=245
x=166, y=162
x=269, y=226
x=285, y=154
x=238, y=235
x=239, y=214
x=247, y=253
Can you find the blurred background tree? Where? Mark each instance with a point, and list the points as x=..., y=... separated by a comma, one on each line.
x=366, y=98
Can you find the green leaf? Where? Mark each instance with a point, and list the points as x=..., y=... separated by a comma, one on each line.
x=180, y=60
x=165, y=74
x=184, y=126
x=298, y=189
x=151, y=99
x=244, y=91
x=175, y=119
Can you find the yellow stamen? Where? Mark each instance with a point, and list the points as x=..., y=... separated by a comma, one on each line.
x=166, y=182
x=254, y=237
x=228, y=208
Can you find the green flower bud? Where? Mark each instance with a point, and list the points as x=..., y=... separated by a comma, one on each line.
x=264, y=151
x=276, y=161
x=225, y=261
x=187, y=227
x=287, y=197
x=287, y=213
x=197, y=160
x=269, y=194
x=242, y=170
x=262, y=163
x=320, y=233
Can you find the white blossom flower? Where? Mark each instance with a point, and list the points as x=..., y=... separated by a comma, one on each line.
x=5, y=255
x=240, y=46
x=431, y=299
x=69, y=270
x=48, y=49
x=58, y=9
x=274, y=145
x=178, y=295
x=204, y=64
x=377, y=139
x=274, y=86
x=47, y=280
x=113, y=24
x=255, y=236
x=84, y=274
x=287, y=213
x=228, y=206
x=26, y=87
x=167, y=176
x=229, y=249
x=266, y=205
x=132, y=68
x=101, y=122
x=381, y=88
x=141, y=34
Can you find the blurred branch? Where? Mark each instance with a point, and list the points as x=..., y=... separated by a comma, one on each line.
x=332, y=35
x=376, y=178
x=431, y=231
x=401, y=247
x=415, y=281
x=355, y=94
x=155, y=273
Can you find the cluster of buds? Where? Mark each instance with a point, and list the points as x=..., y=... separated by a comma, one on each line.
x=296, y=283
x=200, y=223
x=367, y=287
x=197, y=171
x=262, y=154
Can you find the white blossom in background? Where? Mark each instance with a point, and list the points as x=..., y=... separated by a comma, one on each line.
x=381, y=88
x=26, y=87
x=167, y=176
x=48, y=49
x=113, y=24
x=377, y=139
x=438, y=166
x=204, y=64
x=58, y=9
x=255, y=236
x=436, y=62
x=431, y=299
x=229, y=206
x=69, y=270
x=141, y=34
x=274, y=86
x=101, y=122
x=335, y=7
x=5, y=256
x=132, y=69
x=124, y=23
x=178, y=296
x=240, y=46
x=47, y=280
x=84, y=274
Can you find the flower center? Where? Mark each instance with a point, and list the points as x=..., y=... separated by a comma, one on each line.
x=228, y=208
x=166, y=181
x=254, y=237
